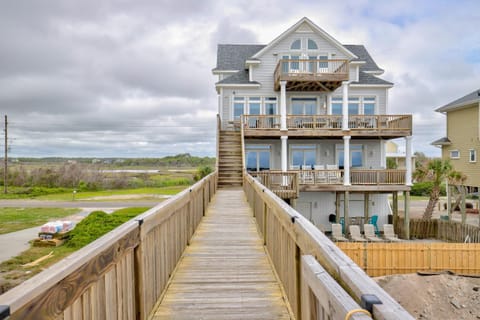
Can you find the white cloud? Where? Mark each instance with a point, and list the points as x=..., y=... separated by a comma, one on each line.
x=122, y=78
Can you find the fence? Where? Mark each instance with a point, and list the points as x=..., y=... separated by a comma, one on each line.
x=450, y=231
x=122, y=274
x=380, y=259
x=288, y=236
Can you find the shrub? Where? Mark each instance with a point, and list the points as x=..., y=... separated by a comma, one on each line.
x=97, y=224
x=425, y=188
x=203, y=172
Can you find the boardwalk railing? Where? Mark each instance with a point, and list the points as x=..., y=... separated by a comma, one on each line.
x=283, y=184
x=450, y=231
x=122, y=274
x=288, y=236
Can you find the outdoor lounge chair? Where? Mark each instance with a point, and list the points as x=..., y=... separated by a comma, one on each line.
x=355, y=233
x=370, y=233
x=389, y=234
x=337, y=234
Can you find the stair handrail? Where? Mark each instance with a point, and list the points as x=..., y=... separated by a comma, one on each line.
x=219, y=124
x=242, y=143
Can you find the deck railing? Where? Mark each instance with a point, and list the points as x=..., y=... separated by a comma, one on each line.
x=327, y=69
x=278, y=180
x=357, y=123
x=288, y=236
x=283, y=184
x=122, y=274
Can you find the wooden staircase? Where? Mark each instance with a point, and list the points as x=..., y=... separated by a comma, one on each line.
x=230, y=159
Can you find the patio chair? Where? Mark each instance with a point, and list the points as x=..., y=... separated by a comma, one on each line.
x=294, y=167
x=320, y=174
x=337, y=234
x=373, y=220
x=306, y=175
x=370, y=233
x=389, y=234
x=355, y=234
x=333, y=173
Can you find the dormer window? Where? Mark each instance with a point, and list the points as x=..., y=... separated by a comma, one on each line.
x=312, y=45
x=296, y=45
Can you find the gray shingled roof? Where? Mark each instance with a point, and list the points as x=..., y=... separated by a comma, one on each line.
x=468, y=99
x=366, y=78
x=361, y=52
x=240, y=77
x=441, y=142
x=233, y=56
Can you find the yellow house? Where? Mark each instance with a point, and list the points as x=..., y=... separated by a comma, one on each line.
x=462, y=143
x=393, y=152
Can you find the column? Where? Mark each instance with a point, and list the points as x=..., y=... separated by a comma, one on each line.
x=408, y=160
x=337, y=206
x=346, y=160
x=366, y=200
x=284, y=153
x=345, y=105
x=395, y=208
x=406, y=220
x=283, y=105
x=346, y=208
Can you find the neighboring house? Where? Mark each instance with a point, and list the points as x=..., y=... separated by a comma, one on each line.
x=462, y=143
x=314, y=107
x=397, y=156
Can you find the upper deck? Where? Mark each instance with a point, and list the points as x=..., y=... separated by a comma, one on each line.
x=366, y=126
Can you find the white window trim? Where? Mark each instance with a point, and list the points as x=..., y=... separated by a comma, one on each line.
x=455, y=150
x=470, y=156
x=303, y=147
x=361, y=109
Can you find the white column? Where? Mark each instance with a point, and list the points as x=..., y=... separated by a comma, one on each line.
x=345, y=105
x=250, y=73
x=383, y=156
x=284, y=153
x=283, y=105
x=329, y=103
x=346, y=160
x=408, y=160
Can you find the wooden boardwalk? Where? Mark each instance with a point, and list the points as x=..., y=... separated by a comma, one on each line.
x=225, y=272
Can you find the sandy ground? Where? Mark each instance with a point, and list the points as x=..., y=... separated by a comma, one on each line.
x=436, y=297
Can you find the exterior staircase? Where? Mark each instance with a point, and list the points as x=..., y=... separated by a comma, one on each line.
x=229, y=159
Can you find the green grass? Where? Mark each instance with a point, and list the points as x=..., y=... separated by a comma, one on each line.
x=14, y=219
x=68, y=196
x=97, y=224
x=89, y=229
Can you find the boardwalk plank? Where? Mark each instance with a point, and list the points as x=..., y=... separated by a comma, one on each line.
x=224, y=273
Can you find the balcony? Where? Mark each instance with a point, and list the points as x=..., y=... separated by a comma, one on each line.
x=288, y=184
x=379, y=126
x=311, y=75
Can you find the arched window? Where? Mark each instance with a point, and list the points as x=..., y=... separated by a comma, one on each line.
x=296, y=45
x=312, y=45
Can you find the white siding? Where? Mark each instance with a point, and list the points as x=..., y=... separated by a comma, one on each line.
x=379, y=93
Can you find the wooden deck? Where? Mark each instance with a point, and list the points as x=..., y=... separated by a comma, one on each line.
x=225, y=272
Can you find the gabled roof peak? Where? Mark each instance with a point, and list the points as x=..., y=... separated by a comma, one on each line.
x=315, y=28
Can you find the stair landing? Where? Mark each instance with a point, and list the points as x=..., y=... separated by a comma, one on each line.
x=225, y=272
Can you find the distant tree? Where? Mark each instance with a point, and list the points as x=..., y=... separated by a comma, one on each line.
x=436, y=171
x=391, y=163
x=203, y=172
x=420, y=158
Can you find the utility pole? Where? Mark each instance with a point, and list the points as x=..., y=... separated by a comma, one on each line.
x=5, y=167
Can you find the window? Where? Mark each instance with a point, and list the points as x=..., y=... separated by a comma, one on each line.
x=369, y=105
x=472, y=155
x=323, y=64
x=304, y=106
x=356, y=156
x=353, y=106
x=270, y=105
x=303, y=155
x=257, y=157
x=454, y=154
x=312, y=45
x=337, y=105
x=238, y=107
x=296, y=45
x=254, y=105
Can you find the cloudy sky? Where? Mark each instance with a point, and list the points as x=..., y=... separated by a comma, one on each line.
x=133, y=78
